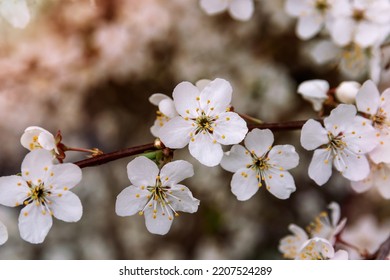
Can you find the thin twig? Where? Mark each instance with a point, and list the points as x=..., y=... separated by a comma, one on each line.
x=293, y=125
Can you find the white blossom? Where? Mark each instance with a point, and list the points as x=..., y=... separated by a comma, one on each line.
x=16, y=12
x=327, y=227
x=204, y=121
x=314, y=91
x=363, y=22
x=312, y=15
x=346, y=91
x=343, y=143
x=35, y=137
x=258, y=162
x=3, y=233
x=291, y=245
x=157, y=194
x=377, y=107
x=238, y=9
x=166, y=111
x=43, y=189
x=378, y=178
x=320, y=249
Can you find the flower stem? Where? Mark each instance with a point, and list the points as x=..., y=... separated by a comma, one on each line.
x=105, y=158
x=249, y=118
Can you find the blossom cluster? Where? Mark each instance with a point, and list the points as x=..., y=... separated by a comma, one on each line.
x=354, y=31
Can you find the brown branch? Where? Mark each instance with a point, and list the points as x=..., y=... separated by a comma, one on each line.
x=105, y=158
x=283, y=126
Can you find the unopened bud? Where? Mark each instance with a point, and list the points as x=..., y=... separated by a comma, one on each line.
x=346, y=92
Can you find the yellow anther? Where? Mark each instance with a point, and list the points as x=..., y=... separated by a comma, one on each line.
x=281, y=175
x=187, y=111
x=197, y=98
x=66, y=188
x=27, y=173
x=137, y=195
x=19, y=184
x=25, y=214
x=60, y=194
x=140, y=213
x=176, y=215
x=223, y=136
x=227, y=118
x=35, y=138
x=46, y=168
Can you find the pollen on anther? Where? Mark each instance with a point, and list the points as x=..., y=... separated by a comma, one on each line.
x=46, y=168
x=208, y=101
x=60, y=194
x=214, y=141
x=137, y=195
x=281, y=175
x=192, y=139
x=197, y=98
x=52, y=174
x=17, y=204
x=26, y=173
x=223, y=136
x=25, y=214
x=66, y=188
x=381, y=142
x=187, y=111
x=326, y=161
x=364, y=123
x=19, y=184
x=140, y=213
x=142, y=187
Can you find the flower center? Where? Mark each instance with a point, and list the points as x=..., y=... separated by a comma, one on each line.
x=358, y=15
x=322, y=5
x=204, y=123
x=336, y=142
x=37, y=194
x=159, y=197
x=380, y=120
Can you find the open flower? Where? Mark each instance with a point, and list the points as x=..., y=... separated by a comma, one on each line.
x=204, y=121
x=314, y=91
x=157, y=194
x=320, y=249
x=239, y=9
x=377, y=107
x=43, y=191
x=312, y=15
x=343, y=143
x=35, y=137
x=291, y=245
x=16, y=12
x=3, y=234
x=378, y=178
x=259, y=162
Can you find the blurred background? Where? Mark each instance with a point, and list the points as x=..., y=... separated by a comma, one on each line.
x=89, y=69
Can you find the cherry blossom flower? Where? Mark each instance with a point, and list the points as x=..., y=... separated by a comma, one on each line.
x=204, y=121
x=312, y=15
x=343, y=143
x=43, y=189
x=327, y=227
x=378, y=178
x=258, y=162
x=291, y=245
x=3, y=234
x=346, y=91
x=166, y=111
x=16, y=12
x=238, y=9
x=377, y=107
x=157, y=194
x=35, y=137
x=320, y=249
x=363, y=22
x=314, y=91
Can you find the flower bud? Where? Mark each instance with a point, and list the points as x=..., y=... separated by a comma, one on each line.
x=346, y=92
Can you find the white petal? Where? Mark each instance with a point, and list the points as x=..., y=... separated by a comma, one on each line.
x=360, y=137
x=298, y=231
x=161, y=224
x=183, y=200
x=15, y=12
x=308, y=26
x=385, y=101
x=340, y=255
x=367, y=34
x=3, y=234
x=259, y=141
x=175, y=172
x=186, y=98
x=31, y=132
x=201, y=84
x=362, y=186
x=280, y=183
x=324, y=52
x=204, y=149
x=340, y=118
x=156, y=98
x=36, y=164
x=353, y=167
x=34, y=223
x=67, y=207
x=167, y=107
x=142, y=172
x=384, y=190
x=283, y=156
x=241, y=9
x=295, y=7
x=382, y=151
x=65, y=175
x=335, y=212
x=238, y=157
x=313, y=135
x=314, y=88
x=244, y=184
x=368, y=98
x=176, y=133
x=216, y=97
x=130, y=201
x=342, y=31
x=320, y=168
x=212, y=7
x=229, y=129
x=13, y=190
x=47, y=141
